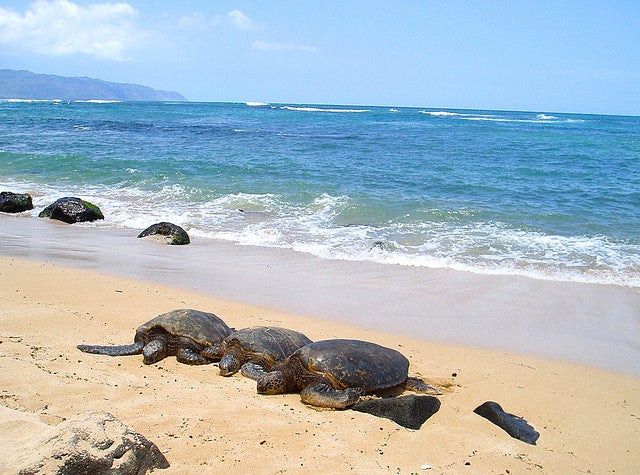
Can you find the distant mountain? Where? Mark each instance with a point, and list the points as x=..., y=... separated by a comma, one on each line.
x=27, y=85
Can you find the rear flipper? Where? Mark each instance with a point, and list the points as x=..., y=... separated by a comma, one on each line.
x=419, y=386
x=323, y=395
x=120, y=350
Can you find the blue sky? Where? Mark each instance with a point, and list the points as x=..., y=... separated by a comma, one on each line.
x=548, y=56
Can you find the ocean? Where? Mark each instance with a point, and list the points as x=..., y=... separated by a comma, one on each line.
x=551, y=196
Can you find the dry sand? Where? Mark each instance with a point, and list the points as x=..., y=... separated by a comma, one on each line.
x=588, y=419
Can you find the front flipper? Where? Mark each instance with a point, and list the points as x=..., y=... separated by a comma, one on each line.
x=213, y=352
x=323, y=395
x=188, y=356
x=120, y=350
x=252, y=370
x=419, y=386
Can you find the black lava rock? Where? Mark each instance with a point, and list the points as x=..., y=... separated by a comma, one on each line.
x=15, y=202
x=72, y=210
x=174, y=233
x=408, y=411
x=515, y=426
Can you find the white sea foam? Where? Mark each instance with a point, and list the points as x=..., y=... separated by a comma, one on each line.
x=501, y=119
x=453, y=114
x=256, y=104
x=322, y=109
x=520, y=121
x=440, y=113
x=98, y=101
x=269, y=220
x=33, y=100
x=539, y=118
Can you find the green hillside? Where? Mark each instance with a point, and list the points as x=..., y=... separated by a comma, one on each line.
x=27, y=85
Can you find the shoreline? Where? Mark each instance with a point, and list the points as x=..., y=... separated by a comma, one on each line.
x=587, y=418
x=588, y=324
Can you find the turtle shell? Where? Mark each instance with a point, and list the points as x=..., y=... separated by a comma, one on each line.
x=267, y=344
x=204, y=328
x=354, y=364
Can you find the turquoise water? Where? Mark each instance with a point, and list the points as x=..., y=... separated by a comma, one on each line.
x=552, y=196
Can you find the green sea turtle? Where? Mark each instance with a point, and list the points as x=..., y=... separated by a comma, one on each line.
x=335, y=373
x=194, y=337
x=255, y=350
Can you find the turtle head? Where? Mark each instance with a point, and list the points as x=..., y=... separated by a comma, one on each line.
x=154, y=351
x=273, y=382
x=229, y=364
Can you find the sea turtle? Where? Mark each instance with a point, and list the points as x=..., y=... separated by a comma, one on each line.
x=194, y=337
x=255, y=350
x=335, y=373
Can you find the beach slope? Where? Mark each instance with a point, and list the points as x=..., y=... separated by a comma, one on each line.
x=588, y=419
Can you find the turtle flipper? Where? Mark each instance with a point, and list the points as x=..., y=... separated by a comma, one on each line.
x=188, y=356
x=119, y=350
x=419, y=386
x=252, y=370
x=323, y=395
x=213, y=352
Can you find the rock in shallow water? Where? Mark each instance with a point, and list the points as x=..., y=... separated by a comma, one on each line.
x=408, y=411
x=15, y=202
x=72, y=210
x=174, y=233
x=515, y=426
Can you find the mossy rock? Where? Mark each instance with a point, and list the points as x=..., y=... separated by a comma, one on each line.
x=174, y=234
x=72, y=210
x=15, y=202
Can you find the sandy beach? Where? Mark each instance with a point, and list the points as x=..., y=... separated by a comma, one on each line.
x=588, y=418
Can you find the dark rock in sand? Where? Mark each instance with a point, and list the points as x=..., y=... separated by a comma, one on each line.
x=174, y=233
x=515, y=426
x=15, y=202
x=92, y=442
x=408, y=411
x=72, y=210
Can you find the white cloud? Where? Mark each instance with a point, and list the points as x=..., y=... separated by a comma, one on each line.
x=61, y=27
x=240, y=20
x=265, y=46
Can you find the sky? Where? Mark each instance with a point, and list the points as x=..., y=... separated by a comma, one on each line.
x=577, y=56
